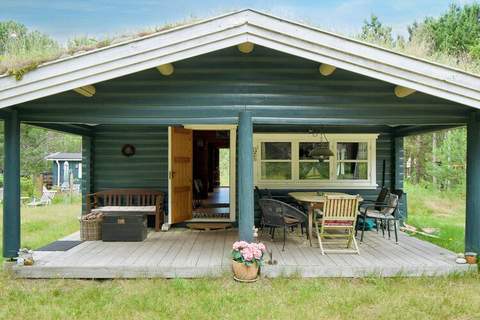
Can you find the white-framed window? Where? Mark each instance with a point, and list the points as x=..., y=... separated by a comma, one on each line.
x=281, y=160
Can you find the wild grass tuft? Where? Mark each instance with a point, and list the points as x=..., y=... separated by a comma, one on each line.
x=443, y=210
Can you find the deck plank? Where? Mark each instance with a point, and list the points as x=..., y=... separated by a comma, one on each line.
x=186, y=253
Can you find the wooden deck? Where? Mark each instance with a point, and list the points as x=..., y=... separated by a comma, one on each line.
x=186, y=253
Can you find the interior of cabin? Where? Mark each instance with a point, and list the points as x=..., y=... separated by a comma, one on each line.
x=211, y=174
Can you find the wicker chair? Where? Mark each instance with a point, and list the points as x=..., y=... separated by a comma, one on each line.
x=339, y=214
x=385, y=213
x=277, y=214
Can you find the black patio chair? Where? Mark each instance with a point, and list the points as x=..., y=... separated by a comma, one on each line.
x=381, y=198
x=278, y=214
x=388, y=212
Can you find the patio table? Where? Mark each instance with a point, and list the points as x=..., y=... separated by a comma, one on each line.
x=313, y=200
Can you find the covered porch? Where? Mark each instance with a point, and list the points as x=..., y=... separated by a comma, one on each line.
x=188, y=254
x=265, y=88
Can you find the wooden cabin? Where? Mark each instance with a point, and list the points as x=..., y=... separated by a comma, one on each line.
x=261, y=87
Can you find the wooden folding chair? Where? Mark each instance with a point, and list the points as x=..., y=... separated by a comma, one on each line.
x=339, y=215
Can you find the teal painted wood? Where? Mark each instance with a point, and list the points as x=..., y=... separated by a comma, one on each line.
x=11, y=186
x=87, y=170
x=415, y=130
x=83, y=130
x=148, y=168
x=472, y=224
x=215, y=87
x=245, y=177
x=399, y=174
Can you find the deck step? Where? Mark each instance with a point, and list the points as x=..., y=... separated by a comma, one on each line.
x=209, y=226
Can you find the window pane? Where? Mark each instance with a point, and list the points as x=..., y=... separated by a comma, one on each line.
x=352, y=151
x=352, y=171
x=314, y=170
x=276, y=170
x=276, y=151
x=306, y=147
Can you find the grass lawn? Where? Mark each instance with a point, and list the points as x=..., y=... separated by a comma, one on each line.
x=456, y=296
x=438, y=209
x=42, y=225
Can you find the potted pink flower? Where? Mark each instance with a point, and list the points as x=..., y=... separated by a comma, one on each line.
x=246, y=260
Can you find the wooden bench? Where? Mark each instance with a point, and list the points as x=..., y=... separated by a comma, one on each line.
x=128, y=200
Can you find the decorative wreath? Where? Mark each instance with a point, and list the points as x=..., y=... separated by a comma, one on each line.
x=128, y=150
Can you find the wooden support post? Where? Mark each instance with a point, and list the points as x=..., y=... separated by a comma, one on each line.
x=11, y=186
x=86, y=170
x=245, y=176
x=472, y=221
x=399, y=174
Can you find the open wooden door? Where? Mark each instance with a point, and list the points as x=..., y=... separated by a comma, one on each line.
x=180, y=175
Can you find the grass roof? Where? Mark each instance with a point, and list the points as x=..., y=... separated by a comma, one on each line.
x=20, y=58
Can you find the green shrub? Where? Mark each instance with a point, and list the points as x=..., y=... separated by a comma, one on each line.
x=26, y=187
x=66, y=198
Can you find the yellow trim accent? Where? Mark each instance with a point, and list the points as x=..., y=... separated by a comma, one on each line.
x=87, y=91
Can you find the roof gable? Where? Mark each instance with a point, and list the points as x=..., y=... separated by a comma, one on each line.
x=233, y=29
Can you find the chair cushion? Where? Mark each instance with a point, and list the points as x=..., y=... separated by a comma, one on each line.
x=290, y=220
x=392, y=204
x=337, y=223
x=372, y=213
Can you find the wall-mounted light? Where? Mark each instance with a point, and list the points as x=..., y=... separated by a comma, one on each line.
x=166, y=69
x=402, y=92
x=246, y=47
x=326, y=69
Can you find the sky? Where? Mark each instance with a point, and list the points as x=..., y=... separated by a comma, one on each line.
x=100, y=18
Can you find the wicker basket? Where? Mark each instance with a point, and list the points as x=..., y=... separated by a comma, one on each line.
x=91, y=230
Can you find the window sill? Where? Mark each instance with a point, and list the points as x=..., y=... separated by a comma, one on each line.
x=332, y=186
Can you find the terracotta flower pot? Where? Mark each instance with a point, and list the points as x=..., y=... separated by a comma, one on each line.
x=244, y=273
x=471, y=257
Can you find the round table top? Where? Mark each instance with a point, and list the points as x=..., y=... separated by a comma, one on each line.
x=315, y=196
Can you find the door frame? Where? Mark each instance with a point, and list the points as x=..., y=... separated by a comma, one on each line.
x=232, y=128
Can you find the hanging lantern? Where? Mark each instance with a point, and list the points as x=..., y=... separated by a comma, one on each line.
x=321, y=151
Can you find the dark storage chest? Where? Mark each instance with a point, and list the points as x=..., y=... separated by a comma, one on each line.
x=124, y=226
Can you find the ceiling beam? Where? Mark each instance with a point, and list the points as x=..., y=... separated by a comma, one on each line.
x=87, y=91
x=405, y=131
x=78, y=129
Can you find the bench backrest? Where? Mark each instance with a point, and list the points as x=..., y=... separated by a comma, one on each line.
x=126, y=197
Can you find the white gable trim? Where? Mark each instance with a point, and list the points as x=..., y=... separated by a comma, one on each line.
x=230, y=30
